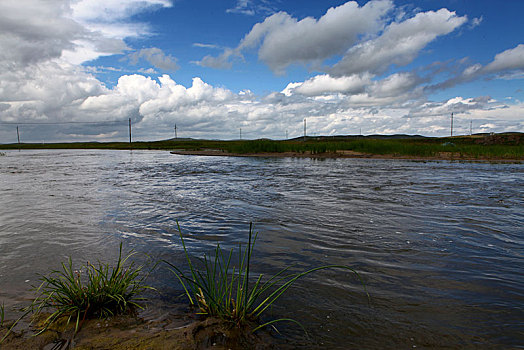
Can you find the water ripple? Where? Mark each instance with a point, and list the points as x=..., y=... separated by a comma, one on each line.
x=439, y=244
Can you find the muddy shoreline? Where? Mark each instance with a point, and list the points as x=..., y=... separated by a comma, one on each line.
x=448, y=156
x=135, y=333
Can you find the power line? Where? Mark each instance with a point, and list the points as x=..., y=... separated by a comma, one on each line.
x=57, y=123
x=108, y=122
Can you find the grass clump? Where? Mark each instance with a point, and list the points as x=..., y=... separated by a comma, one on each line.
x=221, y=290
x=92, y=291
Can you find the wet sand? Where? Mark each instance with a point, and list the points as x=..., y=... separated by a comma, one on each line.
x=133, y=333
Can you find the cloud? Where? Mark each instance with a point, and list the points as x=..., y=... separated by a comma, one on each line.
x=283, y=40
x=148, y=71
x=506, y=65
x=457, y=105
x=387, y=105
x=360, y=89
x=325, y=84
x=156, y=57
x=113, y=10
x=108, y=28
x=170, y=96
x=355, y=32
x=252, y=7
x=223, y=61
x=475, y=22
x=396, y=84
x=36, y=32
x=206, y=46
x=50, y=83
x=41, y=79
x=511, y=59
x=399, y=44
x=242, y=7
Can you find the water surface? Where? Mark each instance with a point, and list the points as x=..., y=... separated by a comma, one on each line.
x=439, y=244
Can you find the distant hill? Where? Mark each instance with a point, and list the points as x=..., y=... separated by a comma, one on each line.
x=353, y=137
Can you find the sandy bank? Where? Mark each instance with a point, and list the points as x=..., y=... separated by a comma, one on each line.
x=132, y=333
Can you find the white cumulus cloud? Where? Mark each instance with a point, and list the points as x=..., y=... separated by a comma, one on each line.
x=283, y=40
x=325, y=84
x=399, y=44
x=507, y=60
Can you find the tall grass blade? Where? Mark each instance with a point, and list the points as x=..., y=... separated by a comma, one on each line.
x=280, y=320
x=227, y=293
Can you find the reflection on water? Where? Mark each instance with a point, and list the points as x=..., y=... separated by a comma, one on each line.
x=439, y=244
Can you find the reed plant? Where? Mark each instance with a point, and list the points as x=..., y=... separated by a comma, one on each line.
x=228, y=292
x=92, y=291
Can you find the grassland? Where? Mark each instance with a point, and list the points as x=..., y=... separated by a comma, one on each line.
x=506, y=146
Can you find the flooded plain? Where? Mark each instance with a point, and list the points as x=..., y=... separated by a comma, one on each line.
x=439, y=244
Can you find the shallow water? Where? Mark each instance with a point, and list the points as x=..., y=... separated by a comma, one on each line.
x=439, y=244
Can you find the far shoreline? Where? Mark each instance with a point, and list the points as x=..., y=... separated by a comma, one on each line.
x=444, y=156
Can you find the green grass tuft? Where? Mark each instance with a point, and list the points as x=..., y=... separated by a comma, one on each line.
x=221, y=290
x=90, y=292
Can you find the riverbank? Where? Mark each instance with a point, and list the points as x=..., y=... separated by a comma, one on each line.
x=134, y=333
x=506, y=147
x=449, y=156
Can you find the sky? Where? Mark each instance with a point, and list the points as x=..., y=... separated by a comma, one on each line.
x=78, y=70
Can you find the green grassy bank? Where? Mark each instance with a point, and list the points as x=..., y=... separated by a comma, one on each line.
x=481, y=146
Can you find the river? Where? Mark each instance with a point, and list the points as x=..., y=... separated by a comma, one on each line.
x=439, y=244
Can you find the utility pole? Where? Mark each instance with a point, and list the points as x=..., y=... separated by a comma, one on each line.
x=304, y=129
x=451, y=124
x=241, y=133
x=130, y=131
x=286, y=134
x=175, y=133
x=18, y=135
x=470, y=127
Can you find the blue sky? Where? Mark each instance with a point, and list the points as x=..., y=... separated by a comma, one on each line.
x=212, y=67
